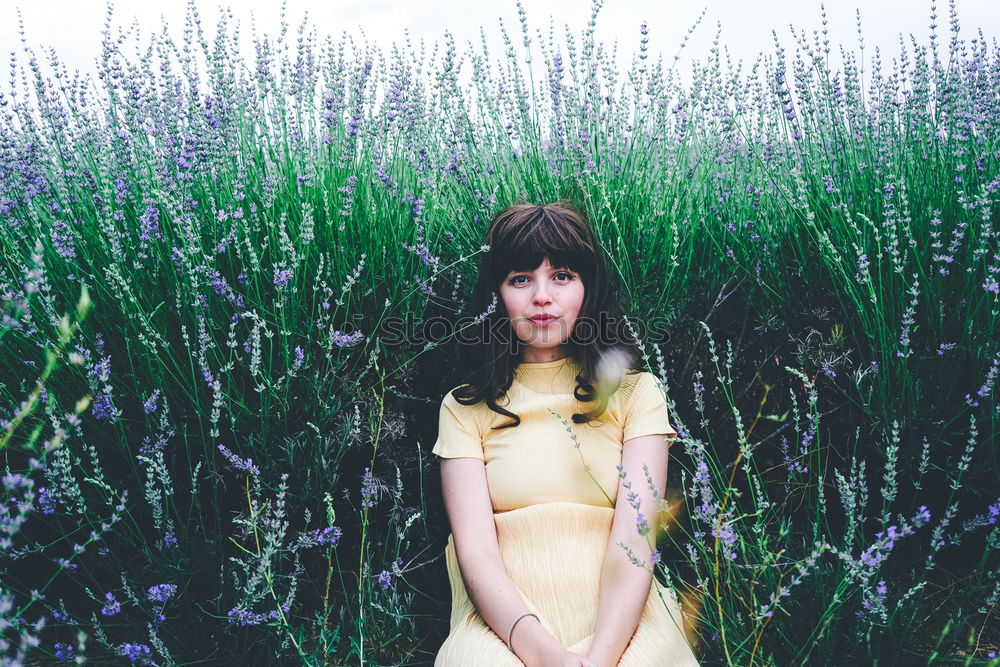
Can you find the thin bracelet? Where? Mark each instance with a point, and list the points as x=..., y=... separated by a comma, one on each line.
x=511, y=631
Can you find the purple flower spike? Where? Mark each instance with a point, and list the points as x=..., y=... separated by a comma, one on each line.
x=369, y=488
x=237, y=463
x=161, y=592
x=136, y=653
x=341, y=339
x=63, y=652
x=112, y=606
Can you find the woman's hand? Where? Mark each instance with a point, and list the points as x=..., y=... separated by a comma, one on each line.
x=581, y=660
x=561, y=657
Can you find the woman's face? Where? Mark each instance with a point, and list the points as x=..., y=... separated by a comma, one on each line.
x=545, y=291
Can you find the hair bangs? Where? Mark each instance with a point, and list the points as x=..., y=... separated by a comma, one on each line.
x=537, y=237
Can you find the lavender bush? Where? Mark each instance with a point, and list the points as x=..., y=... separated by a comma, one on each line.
x=21, y=621
x=783, y=574
x=267, y=242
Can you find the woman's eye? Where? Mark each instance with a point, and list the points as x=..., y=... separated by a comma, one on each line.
x=567, y=277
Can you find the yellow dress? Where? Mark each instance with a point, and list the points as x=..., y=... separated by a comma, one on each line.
x=553, y=521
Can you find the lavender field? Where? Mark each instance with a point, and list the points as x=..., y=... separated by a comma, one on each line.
x=232, y=291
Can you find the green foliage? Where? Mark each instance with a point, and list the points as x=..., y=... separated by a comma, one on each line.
x=265, y=238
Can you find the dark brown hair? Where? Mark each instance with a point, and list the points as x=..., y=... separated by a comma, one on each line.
x=520, y=237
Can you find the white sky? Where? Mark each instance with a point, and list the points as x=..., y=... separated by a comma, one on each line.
x=73, y=27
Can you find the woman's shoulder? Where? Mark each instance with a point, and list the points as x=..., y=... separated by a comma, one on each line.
x=636, y=382
x=635, y=378
x=457, y=389
x=450, y=401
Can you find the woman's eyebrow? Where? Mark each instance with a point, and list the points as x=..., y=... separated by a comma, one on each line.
x=553, y=270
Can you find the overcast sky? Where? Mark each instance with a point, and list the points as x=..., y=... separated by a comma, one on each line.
x=73, y=27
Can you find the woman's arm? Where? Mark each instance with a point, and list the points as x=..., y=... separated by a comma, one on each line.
x=470, y=513
x=624, y=585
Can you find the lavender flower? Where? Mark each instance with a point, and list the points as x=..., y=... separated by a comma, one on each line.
x=422, y=251
x=991, y=377
x=282, y=277
x=341, y=339
x=641, y=524
x=149, y=228
x=879, y=599
x=369, y=488
x=244, y=617
x=102, y=406
x=161, y=592
x=169, y=537
x=65, y=563
x=885, y=540
x=726, y=533
x=149, y=406
x=63, y=652
x=46, y=500
x=112, y=606
x=329, y=535
x=136, y=653
x=14, y=481
x=237, y=463
x=491, y=308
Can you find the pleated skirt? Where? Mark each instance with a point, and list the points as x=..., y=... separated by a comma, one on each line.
x=553, y=553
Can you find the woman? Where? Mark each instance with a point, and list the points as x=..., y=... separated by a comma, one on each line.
x=543, y=453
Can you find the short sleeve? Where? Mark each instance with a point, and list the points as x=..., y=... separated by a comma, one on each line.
x=458, y=432
x=646, y=411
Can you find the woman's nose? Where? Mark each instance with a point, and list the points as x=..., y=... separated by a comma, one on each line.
x=542, y=295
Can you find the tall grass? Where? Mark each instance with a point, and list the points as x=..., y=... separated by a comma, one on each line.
x=268, y=241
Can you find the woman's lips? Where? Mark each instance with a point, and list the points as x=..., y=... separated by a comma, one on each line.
x=543, y=321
